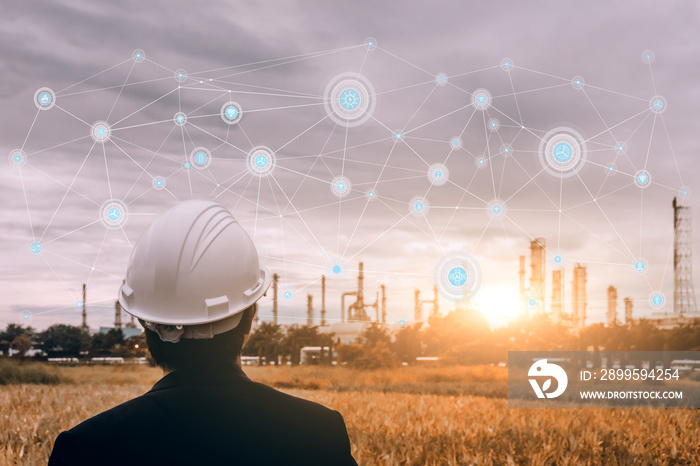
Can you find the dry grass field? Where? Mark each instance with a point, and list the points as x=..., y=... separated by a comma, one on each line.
x=400, y=416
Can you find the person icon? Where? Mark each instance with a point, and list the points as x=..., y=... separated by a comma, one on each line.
x=639, y=266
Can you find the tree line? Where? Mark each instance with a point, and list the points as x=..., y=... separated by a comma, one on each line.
x=458, y=337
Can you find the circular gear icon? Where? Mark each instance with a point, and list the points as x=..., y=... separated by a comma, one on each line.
x=562, y=152
x=113, y=213
x=349, y=99
x=261, y=161
x=457, y=276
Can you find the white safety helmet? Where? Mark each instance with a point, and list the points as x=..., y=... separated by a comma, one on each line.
x=192, y=273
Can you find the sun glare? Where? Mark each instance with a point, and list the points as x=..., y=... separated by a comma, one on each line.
x=498, y=304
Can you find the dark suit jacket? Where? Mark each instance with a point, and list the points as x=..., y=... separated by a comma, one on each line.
x=196, y=419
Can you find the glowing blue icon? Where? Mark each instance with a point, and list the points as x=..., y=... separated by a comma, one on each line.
x=532, y=302
x=79, y=304
x=640, y=266
x=506, y=149
x=563, y=152
x=441, y=79
x=642, y=178
x=371, y=194
x=621, y=148
x=100, y=131
x=44, y=98
x=402, y=322
x=493, y=124
x=507, y=65
x=657, y=299
x=26, y=316
x=557, y=259
x=187, y=165
x=159, y=182
x=35, y=247
x=261, y=161
x=336, y=269
x=398, y=136
x=18, y=158
x=457, y=276
x=496, y=209
x=349, y=99
x=180, y=118
x=577, y=82
x=287, y=294
x=438, y=174
x=231, y=112
x=114, y=214
x=658, y=104
x=419, y=206
x=341, y=186
x=200, y=158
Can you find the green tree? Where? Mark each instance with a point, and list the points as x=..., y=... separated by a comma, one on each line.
x=265, y=342
x=63, y=341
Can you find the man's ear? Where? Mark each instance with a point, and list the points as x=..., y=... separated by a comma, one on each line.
x=247, y=319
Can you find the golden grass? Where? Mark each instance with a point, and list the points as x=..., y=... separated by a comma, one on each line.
x=385, y=428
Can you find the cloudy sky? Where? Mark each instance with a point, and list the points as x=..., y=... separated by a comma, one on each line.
x=277, y=63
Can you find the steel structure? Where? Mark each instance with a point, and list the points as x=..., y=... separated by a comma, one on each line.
x=683, y=290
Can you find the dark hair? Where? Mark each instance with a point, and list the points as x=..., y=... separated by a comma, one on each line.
x=202, y=354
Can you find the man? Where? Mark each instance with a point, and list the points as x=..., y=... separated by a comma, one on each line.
x=193, y=281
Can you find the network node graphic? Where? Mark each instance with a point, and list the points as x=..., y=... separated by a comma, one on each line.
x=261, y=161
x=341, y=186
x=481, y=99
x=100, y=132
x=113, y=213
x=657, y=104
x=640, y=265
x=44, y=98
x=310, y=120
x=200, y=158
x=336, y=269
x=438, y=174
x=180, y=75
x=17, y=158
x=36, y=247
x=457, y=276
x=556, y=260
x=496, y=209
x=180, y=119
x=79, y=305
x=25, y=316
x=419, y=206
x=138, y=55
x=349, y=99
x=231, y=112
x=642, y=179
x=657, y=300
x=507, y=64
x=562, y=152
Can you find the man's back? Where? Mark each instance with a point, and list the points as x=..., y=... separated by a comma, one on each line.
x=224, y=418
